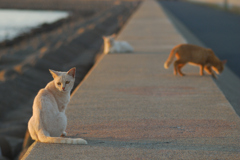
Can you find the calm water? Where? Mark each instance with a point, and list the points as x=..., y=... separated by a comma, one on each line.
x=14, y=22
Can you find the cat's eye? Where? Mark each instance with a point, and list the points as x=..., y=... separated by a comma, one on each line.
x=67, y=82
x=59, y=83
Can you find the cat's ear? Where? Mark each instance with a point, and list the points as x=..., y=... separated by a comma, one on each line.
x=72, y=72
x=224, y=61
x=113, y=35
x=210, y=50
x=54, y=73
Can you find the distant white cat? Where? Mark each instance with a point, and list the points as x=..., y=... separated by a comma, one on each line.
x=113, y=46
x=49, y=121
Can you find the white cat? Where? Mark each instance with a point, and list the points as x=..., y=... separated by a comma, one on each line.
x=112, y=46
x=49, y=121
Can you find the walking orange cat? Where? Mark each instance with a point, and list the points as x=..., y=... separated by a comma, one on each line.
x=195, y=55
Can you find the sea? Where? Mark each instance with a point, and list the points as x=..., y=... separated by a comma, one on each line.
x=14, y=22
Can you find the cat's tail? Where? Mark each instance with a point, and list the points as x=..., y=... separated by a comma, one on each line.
x=170, y=58
x=47, y=139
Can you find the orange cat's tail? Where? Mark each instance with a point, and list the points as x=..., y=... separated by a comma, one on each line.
x=170, y=58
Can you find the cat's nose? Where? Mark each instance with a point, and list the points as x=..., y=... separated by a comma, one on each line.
x=63, y=88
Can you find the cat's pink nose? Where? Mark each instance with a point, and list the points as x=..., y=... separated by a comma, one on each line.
x=63, y=88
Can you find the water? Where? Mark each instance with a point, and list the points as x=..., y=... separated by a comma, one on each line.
x=14, y=22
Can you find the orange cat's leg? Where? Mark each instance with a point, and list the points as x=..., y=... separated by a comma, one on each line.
x=177, y=67
x=209, y=70
x=201, y=70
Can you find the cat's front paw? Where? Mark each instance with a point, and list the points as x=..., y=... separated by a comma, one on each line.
x=214, y=76
x=64, y=134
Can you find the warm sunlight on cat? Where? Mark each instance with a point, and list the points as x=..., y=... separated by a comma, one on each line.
x=113, y=46
x=192, y=54
x=49, y=121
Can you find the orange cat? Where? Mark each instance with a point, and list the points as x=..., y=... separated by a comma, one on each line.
x=203, y=57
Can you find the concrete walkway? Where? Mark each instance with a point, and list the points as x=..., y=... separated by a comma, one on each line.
x=130, y=107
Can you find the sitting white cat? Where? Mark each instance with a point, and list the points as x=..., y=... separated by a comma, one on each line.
x=113, y=46
x=49, y=121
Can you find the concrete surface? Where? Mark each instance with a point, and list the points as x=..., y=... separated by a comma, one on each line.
x=130, y=107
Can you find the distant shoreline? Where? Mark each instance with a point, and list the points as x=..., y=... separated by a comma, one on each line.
x=15, y=22
x=44, y=28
